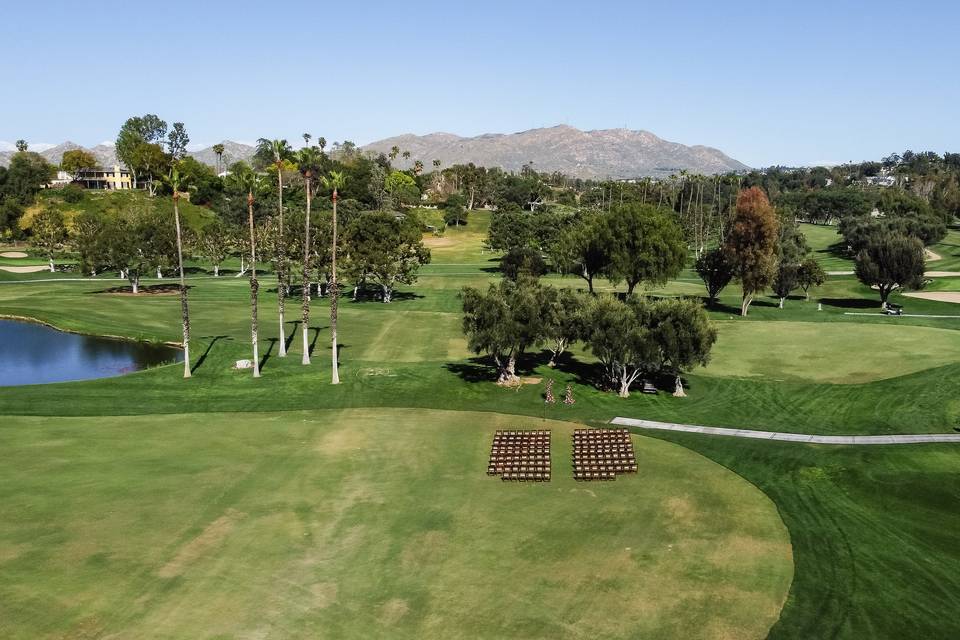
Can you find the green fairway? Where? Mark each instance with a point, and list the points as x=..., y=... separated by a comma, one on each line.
x=827, y=246
x=364, y=523
x=822, y=352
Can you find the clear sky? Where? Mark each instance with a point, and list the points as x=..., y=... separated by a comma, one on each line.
x=766, y=82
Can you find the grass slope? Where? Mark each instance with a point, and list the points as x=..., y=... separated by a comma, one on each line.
x=362, y=523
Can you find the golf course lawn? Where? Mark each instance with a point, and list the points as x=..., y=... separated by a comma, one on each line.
x=364, y=523
x=809, y=351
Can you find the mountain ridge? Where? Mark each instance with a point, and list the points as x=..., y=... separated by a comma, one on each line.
x=595, y=154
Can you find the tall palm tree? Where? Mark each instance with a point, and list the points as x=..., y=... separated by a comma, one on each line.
x=22, y=145
x=418, y=167
x=309, y=161
x=322, y=143
x=334, y=181
x=306, y=139
x=177, y=183
x=436, y=164
x=248, y=180
x=394, y=152
x=405, y=155
x=219, y=149
x=280, y=151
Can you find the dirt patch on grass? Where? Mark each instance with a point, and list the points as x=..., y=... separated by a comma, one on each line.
x=681, y=510
x=324, y=594
x=393, y=610
x=34, y=269
x=342, y=441
x=941, y=274
x=13, y=254
x=424, y=548
x=931, y=255
x=439, y=242
x=531, y=380
x=937, y=296
x=209, y=538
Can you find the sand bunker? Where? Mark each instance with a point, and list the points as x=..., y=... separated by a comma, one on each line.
x=33, y=269
x=931, y=256
x=938, y=296
x=13, y=254
x=941, y=274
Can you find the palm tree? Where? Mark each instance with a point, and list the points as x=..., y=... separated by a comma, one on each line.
x=280, y=151
x=436, y=164
x=394, y=152
x=322, y=143
x=418, y=167
x=334, y=181
x=22, y=145
x=405, y=155
x=219, y=149
x=248, y=180
x=309, y=161
x=177, y=182
x=306, y=139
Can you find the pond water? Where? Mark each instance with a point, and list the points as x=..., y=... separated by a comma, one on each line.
x=33, y=353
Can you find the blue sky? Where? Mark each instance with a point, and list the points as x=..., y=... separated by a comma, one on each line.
x=767, y=82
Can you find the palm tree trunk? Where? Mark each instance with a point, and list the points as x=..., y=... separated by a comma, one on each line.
x=281, y=267
x=184, y=310
x=254, y=285
x=305, y=304
x=334, y=294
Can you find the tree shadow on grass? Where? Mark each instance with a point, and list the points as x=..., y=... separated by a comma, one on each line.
x=851, y=303
x=146, y=290
x=206, y=352
x=483, y=368
x=266, y=356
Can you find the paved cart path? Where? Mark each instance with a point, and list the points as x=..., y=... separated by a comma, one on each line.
x=789, y=437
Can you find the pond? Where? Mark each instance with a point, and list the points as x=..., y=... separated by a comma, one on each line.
x=33, y=353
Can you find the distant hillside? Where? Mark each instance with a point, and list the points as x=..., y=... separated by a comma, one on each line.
x=107, y=157
x=603, y=153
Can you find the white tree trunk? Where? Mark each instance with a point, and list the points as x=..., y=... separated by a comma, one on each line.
x=678, y=389
x=159, y=274
x=136, y=284
x=52, y=267
x=216, y=271
x=387, y=293
x=781, y=303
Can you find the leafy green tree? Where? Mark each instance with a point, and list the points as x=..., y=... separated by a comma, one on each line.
x=48, y=232
x=87, y=237
x=214, y=242
x=810, y=274
x=716, y=268
x=402, y=189
x=149, y=161
x=584, y=248
x=503, y=322
x=890, y=262
x=644, y=245
x=792, y=251
x=27, y=174
x=510, y=228
x=563, y=319
x=177, y=141
x=453, y=211
x=387, y=249
x=136, y=132
x=617, y=333
x=21, y=145
x=753, y=241
x=76, y=160
x=522, y=261
x=684, y=337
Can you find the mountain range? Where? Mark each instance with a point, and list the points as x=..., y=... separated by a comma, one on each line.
x=602, y=153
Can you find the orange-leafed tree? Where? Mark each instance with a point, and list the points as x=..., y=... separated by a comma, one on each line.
x=753, y=243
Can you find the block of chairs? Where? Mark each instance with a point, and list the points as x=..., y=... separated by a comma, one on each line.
x=602, y=454
x=520, y=456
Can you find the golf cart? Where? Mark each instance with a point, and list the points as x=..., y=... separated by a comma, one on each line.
x=893, y=309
